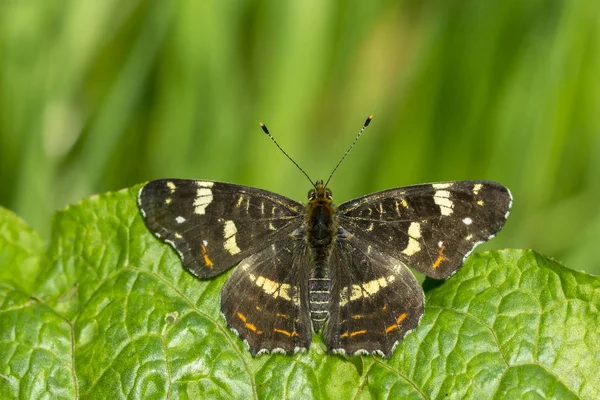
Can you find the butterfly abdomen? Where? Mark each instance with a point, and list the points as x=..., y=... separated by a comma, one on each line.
x=318, y=296
x=320, y=235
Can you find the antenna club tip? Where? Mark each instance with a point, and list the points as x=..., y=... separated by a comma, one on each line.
x=368, y=121
x=264, y=128
x=370, y=116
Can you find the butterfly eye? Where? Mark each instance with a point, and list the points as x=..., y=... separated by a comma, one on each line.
x=328, y=194
x=312, y=195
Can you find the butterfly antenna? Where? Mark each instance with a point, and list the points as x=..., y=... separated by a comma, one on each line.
x=265, y=130
x=367, y=122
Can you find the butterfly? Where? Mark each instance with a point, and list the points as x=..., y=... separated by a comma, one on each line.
x=317, y=267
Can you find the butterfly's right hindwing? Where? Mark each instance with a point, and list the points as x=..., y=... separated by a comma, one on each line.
x=265, y=299
x=214, y=225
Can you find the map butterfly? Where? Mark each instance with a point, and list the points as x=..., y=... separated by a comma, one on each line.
x=340, y=270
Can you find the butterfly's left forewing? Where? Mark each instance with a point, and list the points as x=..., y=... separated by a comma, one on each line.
x=430, y=227
x=214, y=225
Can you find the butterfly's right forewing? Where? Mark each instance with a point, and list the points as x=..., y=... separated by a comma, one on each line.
x=214, y=225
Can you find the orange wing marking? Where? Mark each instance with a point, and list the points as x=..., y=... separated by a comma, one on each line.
x=207, y=260
x=440, y=258
x=395, y=326
x=284, y=332
x=248, y=325
x=352, y=334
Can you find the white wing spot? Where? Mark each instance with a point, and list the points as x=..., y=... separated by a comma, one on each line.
x=440, y=244
x=205, y=184
x=203, y=198
x=171, y=186
x=441, y=185
x=268, y=285
x=467, y=221
x=205, y=243
x=273, y=288
x=239, y=202
x=441, y=198
x=284, y=291
x=414, y=230
x=180, y=220
x=356, y=293
x=229, y=231
x=344, y=297
x=272, y=227
x=480, y=202
x=168, y=200
x=476, y=188
x=373, y=286
x=414, y=233
x=364, y=290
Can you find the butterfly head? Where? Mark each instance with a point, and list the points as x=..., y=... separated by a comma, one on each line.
x=320, y=193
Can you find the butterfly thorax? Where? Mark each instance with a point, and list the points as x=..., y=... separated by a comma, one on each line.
x=321, y=229
x=320, y=222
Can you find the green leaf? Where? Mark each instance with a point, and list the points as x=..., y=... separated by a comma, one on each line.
x=109, y=312
x=35, y=342
x=21, y=252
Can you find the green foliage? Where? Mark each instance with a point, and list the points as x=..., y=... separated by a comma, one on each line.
x=109, y=312
x=100, y=95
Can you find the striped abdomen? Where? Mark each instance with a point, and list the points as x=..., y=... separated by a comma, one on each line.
x=318, y=299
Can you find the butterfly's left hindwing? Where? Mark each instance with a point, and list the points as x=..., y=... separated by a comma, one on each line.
x=375, y=300
x=215, y=225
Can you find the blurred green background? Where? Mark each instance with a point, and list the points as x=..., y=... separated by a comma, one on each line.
x=100, y=95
